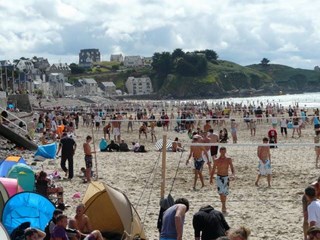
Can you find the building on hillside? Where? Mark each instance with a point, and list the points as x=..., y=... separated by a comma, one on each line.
x=59, y=68
x=89, y=56
x=139, y=86
x=86, y=86
x=132, y=61
x=108, y=88
x=69, y=89
x=116, y=58
x=147, y=61
x=24, y=65
x=40, y=63
x=56, y=84
x=6, y=75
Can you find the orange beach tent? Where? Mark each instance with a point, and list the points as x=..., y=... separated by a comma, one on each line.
x=110, y=211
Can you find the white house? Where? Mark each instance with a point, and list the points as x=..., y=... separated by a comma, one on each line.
x=59, y=68
x=116, y=58
x=139, y=86
x=86, y=86
x=147, y=61
x=56, y=84
x=24, y=65
x=133, y=61
x=108, y=88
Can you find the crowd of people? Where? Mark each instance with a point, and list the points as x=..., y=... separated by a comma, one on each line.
x=203, y=125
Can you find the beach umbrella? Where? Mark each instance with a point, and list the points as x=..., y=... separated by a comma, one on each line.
x=159, y=144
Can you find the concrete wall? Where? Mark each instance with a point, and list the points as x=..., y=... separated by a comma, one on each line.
x=21, y=101
x=3, y=100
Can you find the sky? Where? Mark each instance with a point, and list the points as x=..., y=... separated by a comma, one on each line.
x=241, y=31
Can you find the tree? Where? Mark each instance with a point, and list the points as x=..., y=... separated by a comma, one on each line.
x=75, y=69
x=162, y=63
x=211, y=55
x=265, y=61
x=177, y=53
x=114, y=68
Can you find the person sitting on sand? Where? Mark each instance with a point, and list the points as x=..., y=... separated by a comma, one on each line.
x=45, y=187
x=81, y=222
x=176, y=145
x=223, y=135
x=113, y=147
x=123, y=147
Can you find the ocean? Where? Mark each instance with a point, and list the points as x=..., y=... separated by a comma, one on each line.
x=304, y=100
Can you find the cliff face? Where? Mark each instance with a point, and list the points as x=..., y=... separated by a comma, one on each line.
x=223, y=78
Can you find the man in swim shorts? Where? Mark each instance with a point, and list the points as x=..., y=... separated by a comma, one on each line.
x=88, y=158
x=222, y=165
x=264, y=167
x=196, y=152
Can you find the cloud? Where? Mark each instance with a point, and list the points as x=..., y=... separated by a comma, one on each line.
x=243, y=31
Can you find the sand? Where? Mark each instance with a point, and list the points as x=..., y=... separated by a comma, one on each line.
x=271, y=213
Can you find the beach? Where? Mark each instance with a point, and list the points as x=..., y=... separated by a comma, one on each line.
x=270, y=213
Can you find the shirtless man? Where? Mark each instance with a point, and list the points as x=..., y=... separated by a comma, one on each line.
x=152, y=131
x=81, y=223
x=214, y=138
x=116, y=128
x=207, y=159
x=207, y=126
x=196, y=153
x=222, y=165
x=88, y=157
x=264, y=166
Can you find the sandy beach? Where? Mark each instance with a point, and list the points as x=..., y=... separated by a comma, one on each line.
x=271, y=213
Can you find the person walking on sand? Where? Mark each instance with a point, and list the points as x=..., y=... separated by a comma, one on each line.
x=173, y=220
x=196, y=153
x=88, y=158
x=222, y=165
x=264, y=167
x=68, y=148
x=234, y=127
x=214, y=138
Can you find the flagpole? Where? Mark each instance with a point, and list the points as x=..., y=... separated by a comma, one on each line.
x=163, y=172
x=95, y=154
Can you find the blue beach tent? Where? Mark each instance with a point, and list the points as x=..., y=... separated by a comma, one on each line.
x=24, y=174
x=47, y=151
x=27, y=207
x=7, y=164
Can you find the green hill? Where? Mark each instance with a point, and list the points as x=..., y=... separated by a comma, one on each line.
x=220, y=78
x=289, y=78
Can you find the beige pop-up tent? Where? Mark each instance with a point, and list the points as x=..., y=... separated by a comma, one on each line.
x=110, y=211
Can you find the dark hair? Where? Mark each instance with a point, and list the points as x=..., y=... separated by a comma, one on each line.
x=223, y=148
x=211, y=130
x=183, y=201
x=60, y=217
x=57, y=212
x=88, y=137
x=265, y=139
x=30, y=232
x=310, y=191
